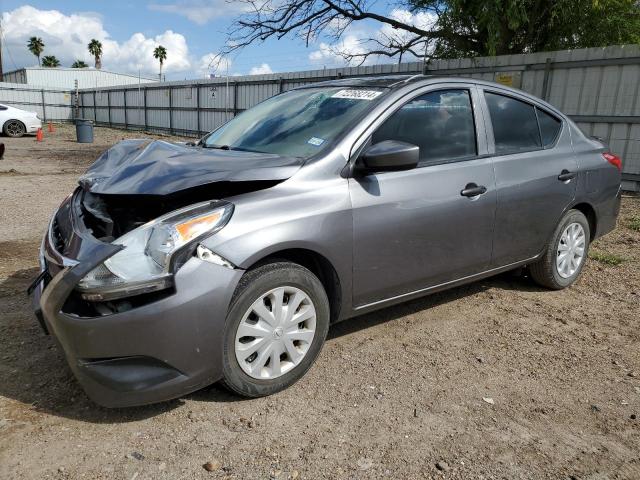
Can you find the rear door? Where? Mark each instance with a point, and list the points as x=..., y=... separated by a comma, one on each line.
x=535, y=169
x=414, y=229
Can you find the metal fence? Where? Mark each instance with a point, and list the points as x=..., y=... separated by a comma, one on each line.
x=49, y=103
x=598, y=87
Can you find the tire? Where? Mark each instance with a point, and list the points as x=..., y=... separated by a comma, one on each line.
x=244, y=370
x=14, y=128
x=546, y=271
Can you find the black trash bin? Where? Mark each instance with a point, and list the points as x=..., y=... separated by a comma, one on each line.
x=84, y=130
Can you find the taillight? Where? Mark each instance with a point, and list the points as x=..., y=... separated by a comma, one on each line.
x=614, y=160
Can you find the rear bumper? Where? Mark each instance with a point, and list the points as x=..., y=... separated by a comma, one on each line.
x=150, y=353
x=607, y=214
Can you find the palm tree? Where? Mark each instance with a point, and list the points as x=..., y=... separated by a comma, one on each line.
x=50, y=61
x=160, y=53
x=95, y=49
x=79, y=64
x=36, y=46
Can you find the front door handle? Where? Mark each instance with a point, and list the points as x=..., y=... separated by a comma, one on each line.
x=473, y=190
x=566, y=175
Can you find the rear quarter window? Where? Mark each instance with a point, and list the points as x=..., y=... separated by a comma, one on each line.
x=549, y=127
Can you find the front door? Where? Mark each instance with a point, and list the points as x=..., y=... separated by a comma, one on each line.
x=427, y=226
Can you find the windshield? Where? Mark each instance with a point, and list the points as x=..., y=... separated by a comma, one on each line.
x=298, y=123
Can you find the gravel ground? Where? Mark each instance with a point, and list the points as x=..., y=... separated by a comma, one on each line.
x=497, y=379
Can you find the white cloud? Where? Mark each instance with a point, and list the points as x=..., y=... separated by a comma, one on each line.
x=67, y=36
x=201, y=11
x=213, y=64
x=330, y=54
x=356, y=39
x=262, y=69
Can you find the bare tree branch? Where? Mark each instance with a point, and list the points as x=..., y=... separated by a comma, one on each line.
x=312, y=18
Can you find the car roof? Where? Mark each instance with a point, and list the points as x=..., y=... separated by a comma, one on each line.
x=400, y=81
x=380, y=81
x=397, y=82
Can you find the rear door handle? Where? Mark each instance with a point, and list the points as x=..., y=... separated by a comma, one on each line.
x=473, y=190
x=566, y=175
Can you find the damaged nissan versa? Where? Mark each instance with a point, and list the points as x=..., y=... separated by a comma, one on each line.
x=175, y=266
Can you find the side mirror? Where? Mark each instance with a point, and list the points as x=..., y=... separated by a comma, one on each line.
x=389, y=156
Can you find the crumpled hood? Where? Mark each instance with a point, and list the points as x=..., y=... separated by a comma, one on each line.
x=140, y=167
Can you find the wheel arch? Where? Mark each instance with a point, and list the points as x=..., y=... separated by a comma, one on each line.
x=588, y=211
x=319, y=265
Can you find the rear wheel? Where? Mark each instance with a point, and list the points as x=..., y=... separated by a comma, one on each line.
x=14, y=128
x=566, y=253
x=276, y=327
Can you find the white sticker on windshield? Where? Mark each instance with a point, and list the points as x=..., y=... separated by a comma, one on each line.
x=316, y=141
x=357, y=94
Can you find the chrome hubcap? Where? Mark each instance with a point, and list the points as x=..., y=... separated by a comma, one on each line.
x=570, y=253
x=275, y=333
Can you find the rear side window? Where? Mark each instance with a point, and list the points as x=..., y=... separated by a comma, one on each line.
x=549, y=127
x=440, y=123
x=515, y=127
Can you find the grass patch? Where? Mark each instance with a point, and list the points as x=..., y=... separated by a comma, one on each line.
x=606, y=258
x=634, y=224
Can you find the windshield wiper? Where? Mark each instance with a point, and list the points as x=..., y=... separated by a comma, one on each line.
x=219, y=147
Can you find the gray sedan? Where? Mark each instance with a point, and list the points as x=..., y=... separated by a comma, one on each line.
x=174, y=266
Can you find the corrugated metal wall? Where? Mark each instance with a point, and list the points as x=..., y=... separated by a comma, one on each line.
x=66, y=77
x=49, y=104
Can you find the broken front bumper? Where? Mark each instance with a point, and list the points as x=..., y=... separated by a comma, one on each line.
x=152, y=352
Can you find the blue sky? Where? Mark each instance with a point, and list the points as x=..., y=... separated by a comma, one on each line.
x=191, y=30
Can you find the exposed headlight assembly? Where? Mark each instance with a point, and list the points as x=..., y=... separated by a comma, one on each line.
x=147, y=261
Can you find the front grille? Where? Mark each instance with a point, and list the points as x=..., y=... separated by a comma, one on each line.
x=57, y=237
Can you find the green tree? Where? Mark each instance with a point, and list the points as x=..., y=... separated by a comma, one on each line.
x=36, y=46
x=79, y=64
x=50, y=61
x=95, y=49
x=160, y=54
x=500, y=27
x=443, y=28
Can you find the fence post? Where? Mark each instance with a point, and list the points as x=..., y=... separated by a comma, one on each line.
x=44, y=109
x=109, y=105
x=77, y=101
x=95, y=108
x=198, y=107
x=235, y=98
x=144, y=98
x=124, y=102
x=280, y=85
x=545, y=81
x=171, y=110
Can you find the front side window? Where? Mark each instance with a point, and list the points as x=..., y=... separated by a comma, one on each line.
x=515, y=126
x=299, y=123
x=440, y=123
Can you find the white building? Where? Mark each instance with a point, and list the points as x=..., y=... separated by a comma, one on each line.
x=65, y=77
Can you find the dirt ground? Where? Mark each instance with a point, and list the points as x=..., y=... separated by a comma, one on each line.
x=497, y=379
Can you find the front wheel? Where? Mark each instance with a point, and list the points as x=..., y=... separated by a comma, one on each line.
x=566, y=253
x=275, y=329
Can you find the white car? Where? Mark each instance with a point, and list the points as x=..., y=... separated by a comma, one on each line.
x=16, y=122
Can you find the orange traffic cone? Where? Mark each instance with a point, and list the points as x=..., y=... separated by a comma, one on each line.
x=39, y=135
x=51, y=129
